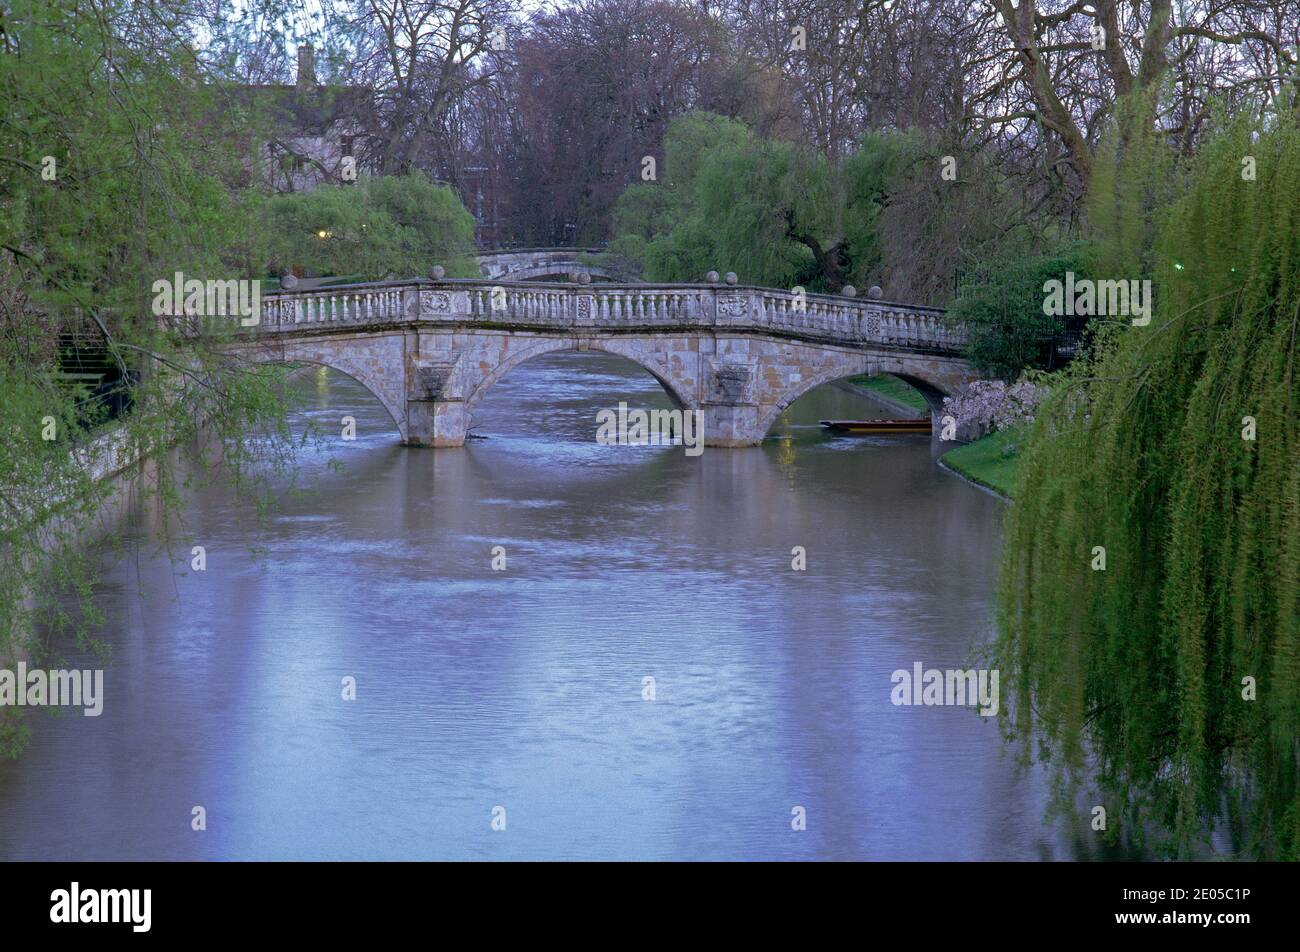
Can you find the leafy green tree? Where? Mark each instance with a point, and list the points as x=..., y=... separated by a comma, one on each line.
x=774, y=212
x=1150, y=593
x=120, y=167
x=386, y=226
x=1002, y=309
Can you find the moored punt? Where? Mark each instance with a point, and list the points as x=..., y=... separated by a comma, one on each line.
x=921, y=425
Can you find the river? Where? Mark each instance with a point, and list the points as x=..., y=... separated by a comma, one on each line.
x=526, y=689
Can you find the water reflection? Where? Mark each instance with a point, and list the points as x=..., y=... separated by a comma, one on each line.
x=524, y=688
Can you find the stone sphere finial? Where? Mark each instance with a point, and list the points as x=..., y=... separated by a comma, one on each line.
x=437, y=272
x=875, y=293
x=711, y=277
x=731, y=278
x=288, y=281
x=849, y=291
x=584, y=277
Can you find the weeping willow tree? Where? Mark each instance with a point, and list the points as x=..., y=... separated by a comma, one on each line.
x=1148, y=618
x=121, y=164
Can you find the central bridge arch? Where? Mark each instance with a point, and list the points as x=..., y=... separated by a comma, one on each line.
x=676, y=389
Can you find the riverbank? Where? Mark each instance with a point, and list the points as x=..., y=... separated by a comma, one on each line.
x=108, y=457
x=989, y=462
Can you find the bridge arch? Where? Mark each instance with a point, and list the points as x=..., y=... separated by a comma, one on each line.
x=852, y=367
x=933, y=393
x=377, y=388
x=677, y=393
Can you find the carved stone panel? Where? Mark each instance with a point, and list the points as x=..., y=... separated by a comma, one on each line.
x=733, y=305
x=434, y=303
x=731, y=383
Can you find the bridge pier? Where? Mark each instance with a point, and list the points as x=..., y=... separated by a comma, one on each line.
x=436, y=423
x=731, y=425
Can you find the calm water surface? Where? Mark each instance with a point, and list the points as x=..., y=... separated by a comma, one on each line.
x=523, y=688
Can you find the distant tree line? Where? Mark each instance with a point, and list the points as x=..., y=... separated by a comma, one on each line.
x=932, y=147
x=548, y=114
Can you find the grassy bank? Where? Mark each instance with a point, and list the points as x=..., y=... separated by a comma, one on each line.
x=894, y=389
x=990, y=461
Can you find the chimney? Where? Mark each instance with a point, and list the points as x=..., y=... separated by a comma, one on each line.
x=306, y=69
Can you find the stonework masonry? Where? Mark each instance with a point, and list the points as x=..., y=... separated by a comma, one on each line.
x=431, y=351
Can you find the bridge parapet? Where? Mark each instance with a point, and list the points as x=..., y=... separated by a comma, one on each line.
x=638, y=307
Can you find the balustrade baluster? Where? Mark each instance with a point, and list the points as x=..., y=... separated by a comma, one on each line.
x=832, y=320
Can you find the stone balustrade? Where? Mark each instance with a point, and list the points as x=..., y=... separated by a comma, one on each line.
x=640, y=307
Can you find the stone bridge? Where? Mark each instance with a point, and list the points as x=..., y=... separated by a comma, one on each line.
x=431, y=350
x=530, y=264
